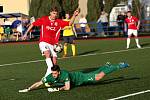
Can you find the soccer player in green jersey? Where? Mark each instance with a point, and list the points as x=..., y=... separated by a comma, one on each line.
x=64, y=80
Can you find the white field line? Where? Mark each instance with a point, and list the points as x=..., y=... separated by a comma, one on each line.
x=20, y=63
x=129, y=95
x=93, y=54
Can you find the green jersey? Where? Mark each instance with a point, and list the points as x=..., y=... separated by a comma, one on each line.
x=60, y=81
x=78, y=78
x=75, y=78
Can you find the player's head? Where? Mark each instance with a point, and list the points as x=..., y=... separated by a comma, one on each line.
x=67, y=16
x=128, y=13
x=103, y=12
x=53, y=13
x=55, y=71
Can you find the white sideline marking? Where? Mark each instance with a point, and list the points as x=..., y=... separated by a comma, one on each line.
x=129, y=95
x=21, y=63
x=93, y=54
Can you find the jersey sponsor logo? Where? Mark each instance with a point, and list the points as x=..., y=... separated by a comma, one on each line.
x=51, y=28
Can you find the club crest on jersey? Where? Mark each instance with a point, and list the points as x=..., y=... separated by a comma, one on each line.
x=55, y=81
x=44, y=79
x=56, y=23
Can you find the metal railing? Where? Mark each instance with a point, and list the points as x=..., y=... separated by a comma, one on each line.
x=92, y=29
x=105, y=30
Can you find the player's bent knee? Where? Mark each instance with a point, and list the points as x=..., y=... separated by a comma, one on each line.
x=54, y=60
x=99, y=76
x=136, y=36
x=47, y=54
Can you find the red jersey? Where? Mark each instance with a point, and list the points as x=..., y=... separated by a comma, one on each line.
x=132, y=22
x=50, y=30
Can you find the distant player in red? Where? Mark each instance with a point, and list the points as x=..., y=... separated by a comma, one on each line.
x=133, y=27
x=49, y=34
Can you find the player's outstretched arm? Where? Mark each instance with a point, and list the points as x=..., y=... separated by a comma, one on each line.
x=65, y=87
x=76, y=12
x=138, y=25
x=32, y=87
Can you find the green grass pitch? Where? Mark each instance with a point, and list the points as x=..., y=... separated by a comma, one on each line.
x=15, y=75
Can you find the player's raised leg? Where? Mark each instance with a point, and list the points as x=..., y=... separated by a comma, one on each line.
x=108, y=68
x=45, y=50
x=48, y=62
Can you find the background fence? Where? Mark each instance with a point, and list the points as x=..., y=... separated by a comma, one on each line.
x=92, y=29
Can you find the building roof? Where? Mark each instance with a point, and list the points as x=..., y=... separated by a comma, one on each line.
x=11, y=15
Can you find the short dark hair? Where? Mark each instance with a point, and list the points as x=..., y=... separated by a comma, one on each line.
x=54, y=9
x=129, y=11
x=55, y=68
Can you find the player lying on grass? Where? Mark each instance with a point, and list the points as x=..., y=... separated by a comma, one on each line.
x=64, y=80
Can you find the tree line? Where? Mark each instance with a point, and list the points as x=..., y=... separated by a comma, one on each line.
x=39, y=8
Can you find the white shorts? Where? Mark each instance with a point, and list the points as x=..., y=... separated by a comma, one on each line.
x=131, y=31
x=47, y=47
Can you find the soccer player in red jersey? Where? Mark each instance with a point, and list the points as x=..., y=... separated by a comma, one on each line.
x=133, y=27
x=49, y=34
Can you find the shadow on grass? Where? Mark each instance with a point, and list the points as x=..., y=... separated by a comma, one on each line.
x=109, y=81
x=117, y=79
x=101, y=82
x=145, y=44
x=142, y=45
x=88, y=52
